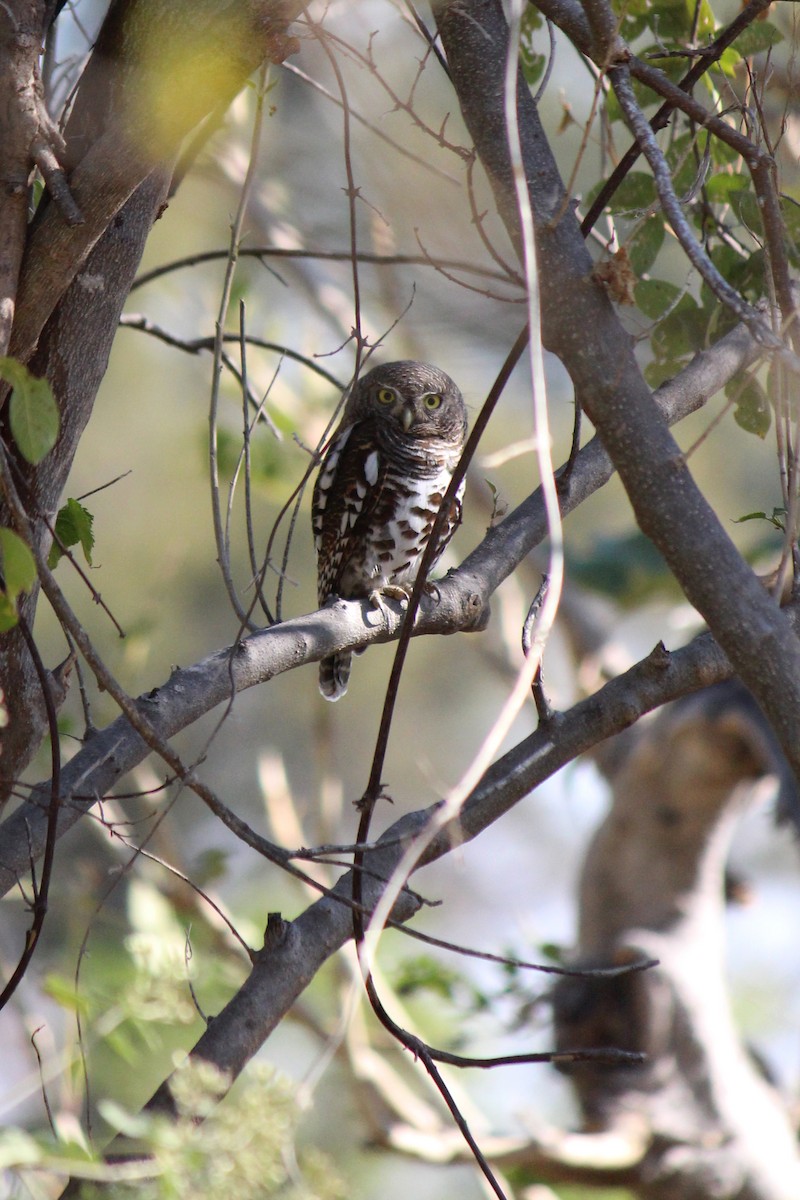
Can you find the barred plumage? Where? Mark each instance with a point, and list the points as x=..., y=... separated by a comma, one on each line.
x=380, y=486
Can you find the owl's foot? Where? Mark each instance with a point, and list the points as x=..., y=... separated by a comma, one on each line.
x=390, y=591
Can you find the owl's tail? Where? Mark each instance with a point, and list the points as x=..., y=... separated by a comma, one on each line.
x=334, y=675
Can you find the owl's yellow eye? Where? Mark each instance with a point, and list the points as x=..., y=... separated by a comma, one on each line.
x=432, y=400
x=386, y=396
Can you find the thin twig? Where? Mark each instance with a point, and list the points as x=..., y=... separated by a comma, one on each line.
x=366, y=257
x=223, y=547
x=707, y=57
x=42, y=890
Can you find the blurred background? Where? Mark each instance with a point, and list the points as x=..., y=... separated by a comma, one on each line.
x=285, y=761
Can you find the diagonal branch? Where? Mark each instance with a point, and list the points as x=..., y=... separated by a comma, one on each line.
x=581, y=327
x=294, y=951
x=463, y=598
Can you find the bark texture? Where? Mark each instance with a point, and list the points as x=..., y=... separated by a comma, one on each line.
x=708, y=1122
x=131, y=113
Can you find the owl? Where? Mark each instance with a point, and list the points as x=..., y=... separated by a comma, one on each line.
x=380, y=486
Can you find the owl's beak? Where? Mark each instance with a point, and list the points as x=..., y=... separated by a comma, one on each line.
x=406, y=417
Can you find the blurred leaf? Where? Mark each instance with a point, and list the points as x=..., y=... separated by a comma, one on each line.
x=636, y=191
x=555, y=952
x=757, y=37
x=628, y=568
x=706, y=23
x=720, y=188
x=18, y=575
x=74, y=528
x=644, y=245
x=18, y=566
x=744, y=204
x=64, y=993
x=744, y=272
x=533, y=66
x=269, y=462
x=33, y=412
x=684, y=157
x=654, y=297
x=662, y=369
x=790, y=210
x=124, y=1045
x=658, y=53
x=682, y=331
x=423, y=973
x=18, y=1149
x=531, y=61
x=726, y=65
x=753, y=412
x=210, y=866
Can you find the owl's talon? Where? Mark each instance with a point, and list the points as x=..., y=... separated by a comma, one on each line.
x=392, y=591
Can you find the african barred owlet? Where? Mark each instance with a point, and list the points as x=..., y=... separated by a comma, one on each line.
x=380, y=487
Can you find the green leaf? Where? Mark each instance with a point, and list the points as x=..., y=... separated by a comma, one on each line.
x=531, y=61
x=645, y=244
x=726, y=64
x=33, y=412
x=777, y=518
x=636, y=191
x=682, y=331
x=757, y=37
x=423, y=973
x=19, y=568
x=8, y=615
x=790, y=210
x=18, y=575
x=63, y=991
x=662, y=369
x=745, y=205
x=720, y=188
x=753, y=411
x=74, y=528
x=704, y=21
x=654, y=297
x=627, y=567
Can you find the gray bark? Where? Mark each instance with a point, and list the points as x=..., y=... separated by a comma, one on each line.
x=653, y=884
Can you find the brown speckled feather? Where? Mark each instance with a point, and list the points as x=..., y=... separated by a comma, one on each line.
x=381, y=485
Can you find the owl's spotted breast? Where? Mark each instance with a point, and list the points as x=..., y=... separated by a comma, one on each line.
x=381, y=485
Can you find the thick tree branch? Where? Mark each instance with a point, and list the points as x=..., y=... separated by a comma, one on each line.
x=294, y=951
x=157, y=48
x=21, y=25
x=668, y=505
x=75, y=279
x=652, y=883
x=464, y=599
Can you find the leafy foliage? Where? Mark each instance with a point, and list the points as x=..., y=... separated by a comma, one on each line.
x=73, y=528
x=33, y=412
x=242, y=1146
x=18, y=575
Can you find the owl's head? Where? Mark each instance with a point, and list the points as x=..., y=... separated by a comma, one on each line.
x=419, y=399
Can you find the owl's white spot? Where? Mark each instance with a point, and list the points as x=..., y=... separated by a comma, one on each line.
x=371, y=467
x=328, y=471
